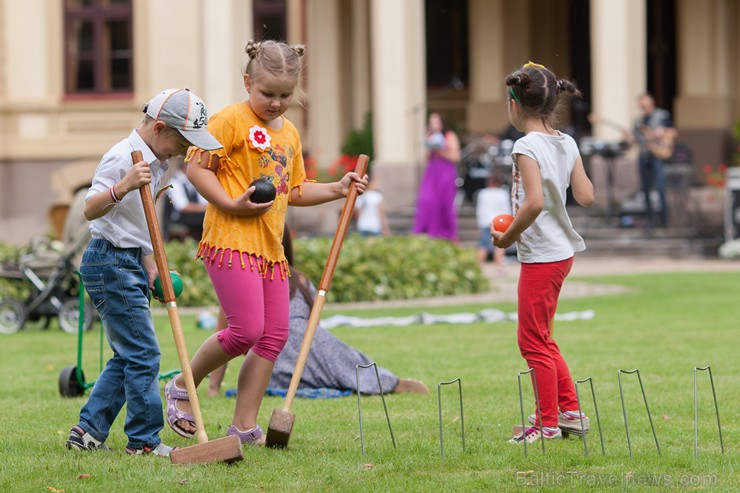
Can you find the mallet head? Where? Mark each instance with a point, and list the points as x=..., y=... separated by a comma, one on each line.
x=227, y=449
x=281, y=425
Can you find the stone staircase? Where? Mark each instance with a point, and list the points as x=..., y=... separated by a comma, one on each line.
x=604, y=235
x=607, y=235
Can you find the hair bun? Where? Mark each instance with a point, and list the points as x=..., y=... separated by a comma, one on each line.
x=252, y=48
x=523, y=79
x=520, y=79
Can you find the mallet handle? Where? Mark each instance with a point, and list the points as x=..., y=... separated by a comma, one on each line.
x=169, y=297
x=318, y=303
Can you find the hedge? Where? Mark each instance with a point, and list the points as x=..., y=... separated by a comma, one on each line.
x=392, y=268
x=369, y=268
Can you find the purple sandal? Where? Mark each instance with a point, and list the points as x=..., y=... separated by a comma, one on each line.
x=172, y=394
x=254, y=437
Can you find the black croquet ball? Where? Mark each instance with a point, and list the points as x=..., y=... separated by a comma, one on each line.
x=264, y=191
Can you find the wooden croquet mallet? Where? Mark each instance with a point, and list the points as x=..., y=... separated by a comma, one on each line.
x=227, y=449
x=281, y=421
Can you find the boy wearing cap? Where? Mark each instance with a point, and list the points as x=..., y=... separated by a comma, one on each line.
x=118, y=272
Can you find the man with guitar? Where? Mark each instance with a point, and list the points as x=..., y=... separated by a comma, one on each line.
x=653, y=132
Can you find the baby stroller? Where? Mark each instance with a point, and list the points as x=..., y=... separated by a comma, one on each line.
x=49, y=272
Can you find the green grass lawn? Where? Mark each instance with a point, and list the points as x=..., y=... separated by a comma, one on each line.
x=670, y=324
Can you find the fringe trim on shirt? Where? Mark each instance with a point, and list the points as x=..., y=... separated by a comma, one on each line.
x=193, y=151
x=300, y=188
x=265, y=267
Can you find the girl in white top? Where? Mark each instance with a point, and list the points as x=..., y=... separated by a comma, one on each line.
x=546, y=163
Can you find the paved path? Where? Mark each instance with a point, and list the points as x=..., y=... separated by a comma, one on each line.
x=503, y=287
x=504, y=284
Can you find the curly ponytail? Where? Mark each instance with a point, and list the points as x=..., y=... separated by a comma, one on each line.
x=567, y=86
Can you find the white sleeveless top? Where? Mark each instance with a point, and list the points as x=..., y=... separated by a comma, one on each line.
x=551, y=237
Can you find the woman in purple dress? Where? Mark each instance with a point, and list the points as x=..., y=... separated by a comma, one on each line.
x=435, y=209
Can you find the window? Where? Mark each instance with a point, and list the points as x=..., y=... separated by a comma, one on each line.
x=270, y=20
x=98, y=47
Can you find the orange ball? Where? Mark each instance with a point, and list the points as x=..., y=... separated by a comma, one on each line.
x=502, y=222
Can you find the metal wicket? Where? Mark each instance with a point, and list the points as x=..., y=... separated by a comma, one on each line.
x=708, y=369
x=624, y=409
x=462, y=416
x=359, y=403
x=596, y=410
x=521, y=407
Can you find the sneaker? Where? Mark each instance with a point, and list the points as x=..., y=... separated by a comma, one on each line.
x=79, y=439
x=254, y=437
x=532, y=434
x=160, y=450
x=568, y=422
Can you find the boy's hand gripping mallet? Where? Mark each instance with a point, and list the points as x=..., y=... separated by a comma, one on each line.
x=281, y=422
x=227, y=449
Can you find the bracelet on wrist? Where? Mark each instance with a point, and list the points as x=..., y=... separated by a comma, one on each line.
x=113, y=195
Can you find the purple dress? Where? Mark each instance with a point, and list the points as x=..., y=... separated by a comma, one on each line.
x=435, y=208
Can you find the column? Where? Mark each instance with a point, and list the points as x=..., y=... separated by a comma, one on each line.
x=618, y=44
x=227, y=25
x=325, y=133
x=399, y=97
x=486, y=111
x=360, y=47
x=321, y=127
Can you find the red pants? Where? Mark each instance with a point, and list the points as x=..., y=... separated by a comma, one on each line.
x=538, y=291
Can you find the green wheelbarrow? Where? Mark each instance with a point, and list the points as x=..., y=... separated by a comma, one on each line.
x=72, y=379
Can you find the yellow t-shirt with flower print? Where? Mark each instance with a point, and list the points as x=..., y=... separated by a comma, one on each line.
x=251, y=151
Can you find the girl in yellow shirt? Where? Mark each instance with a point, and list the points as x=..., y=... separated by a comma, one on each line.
x=242, y=240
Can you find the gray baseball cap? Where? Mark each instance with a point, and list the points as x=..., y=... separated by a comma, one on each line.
x=185, y=112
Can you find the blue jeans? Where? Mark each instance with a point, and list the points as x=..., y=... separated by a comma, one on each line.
x=652, y=175
x=485, y=239
x=117, y=284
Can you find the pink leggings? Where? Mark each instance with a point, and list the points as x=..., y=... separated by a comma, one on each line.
x=538, y=291
x=256, y=307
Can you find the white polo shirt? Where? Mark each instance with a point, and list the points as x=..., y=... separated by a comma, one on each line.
x=125, y=225
x=551, y=237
